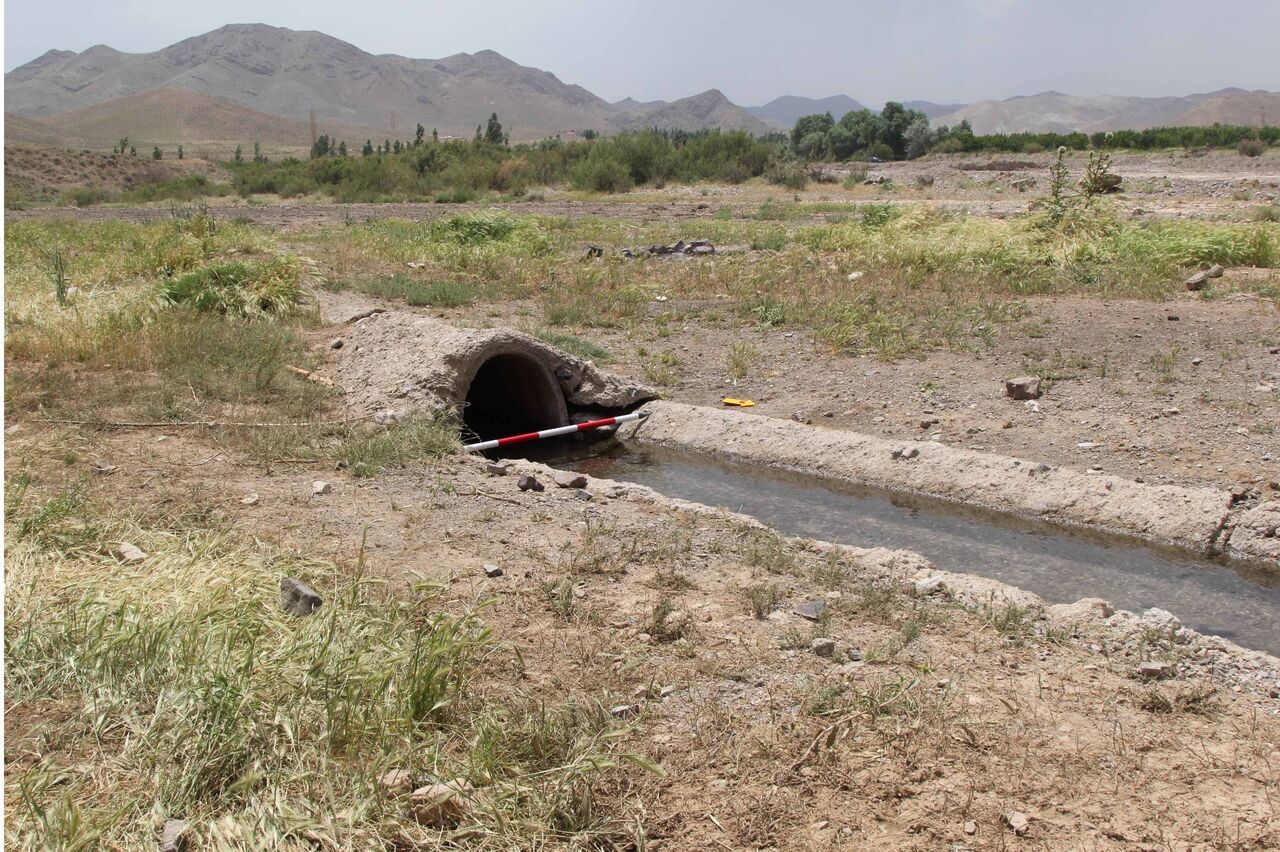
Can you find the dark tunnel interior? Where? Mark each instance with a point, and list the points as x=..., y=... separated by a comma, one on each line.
x=512, y=394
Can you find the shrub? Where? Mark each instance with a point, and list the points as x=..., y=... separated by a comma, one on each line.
x=786, y=173
x=597, y=174
x=1251, y=147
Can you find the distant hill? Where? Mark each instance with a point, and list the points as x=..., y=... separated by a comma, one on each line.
x=1060, y=113
x=288, y=74
x=787, y=109
x=709, y=109
x=931, y=109
x=170, y=115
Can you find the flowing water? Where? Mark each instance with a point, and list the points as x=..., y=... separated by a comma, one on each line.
x=1238, y=600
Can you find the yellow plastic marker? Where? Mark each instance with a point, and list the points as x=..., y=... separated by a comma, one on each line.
x=741, y=403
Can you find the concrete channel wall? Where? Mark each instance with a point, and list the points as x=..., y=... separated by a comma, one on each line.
x=1193, y=518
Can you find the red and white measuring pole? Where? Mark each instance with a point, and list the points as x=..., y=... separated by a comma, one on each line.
x=559, y=430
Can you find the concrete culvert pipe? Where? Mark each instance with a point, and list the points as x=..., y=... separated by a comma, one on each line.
x=500, y=382
x=511, y=394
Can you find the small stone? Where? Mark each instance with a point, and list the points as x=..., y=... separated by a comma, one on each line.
x=336, y=343
x=528, y=482
x=250, y=500
x=496, y=468
x=1018, y=822
x=1196, y=362
x=823, y=647
x=1196, y=282
x=104, y=467
x=854, y=654
x=624, y=711
x=570, y=480
x=1154, y=670
x=1023, y=387
x=812, y=610
x=127, y=552
x=906, y=453
x=667, y=691
x=492, y=571
x=440, y=805
x=1173, y=317
x=930, y=586
x=396, y=782
x=1008, y=424
x=970, y=827
x=1170, y=412
x=176, y=836
x=584, y=496
x=386, y=417
x=1215, y=271
x=297, y=598
x=320, y=487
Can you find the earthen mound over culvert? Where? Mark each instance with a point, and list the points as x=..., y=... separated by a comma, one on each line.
x=499, y=380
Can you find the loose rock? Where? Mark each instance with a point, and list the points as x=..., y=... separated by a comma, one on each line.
x=492, y=571
x=812, y=610
x=297, y=598
x=823, y=647
x=1215, y=271
x=250, y=500
x=396, y=782
x=529, y=482
x=320, y=487
x=336, y=343
x=176, y=836
x=1023, y=387
x=440, y=805
x=570, y=480
x=1155, y=670
x=128, y=552
x=624, y=711
x=1196, y=282
x=930, y=586
x=1018, y=822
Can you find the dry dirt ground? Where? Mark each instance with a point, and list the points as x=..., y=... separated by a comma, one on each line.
x=1185, y=391
x=963, y=715
x=1179, y=185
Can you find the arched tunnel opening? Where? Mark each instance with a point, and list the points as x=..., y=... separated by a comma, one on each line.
x=511, y=394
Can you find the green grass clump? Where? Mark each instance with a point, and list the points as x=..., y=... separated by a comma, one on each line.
x=574, y=345
x=240, y=289
x=178, y=688
x=443, y=294
x=371, y=451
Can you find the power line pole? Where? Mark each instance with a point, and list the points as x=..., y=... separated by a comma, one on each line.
x=313, y=127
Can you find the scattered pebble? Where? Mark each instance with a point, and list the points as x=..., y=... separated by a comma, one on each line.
x=128, y=552
x=250, y=500
x=176, y=836
x=823, y=647
x=320, y=487
x=297, y=598
x=1023, y=387
x=336, y=343
x=396, y=782
x=570, y=480
x=440, y=805
x=1018, y=822
x=812, y=610
x=492, y=571
x=529, y=482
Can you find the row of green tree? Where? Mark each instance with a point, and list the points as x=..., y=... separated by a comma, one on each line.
x=429, y=168
x=897, y=133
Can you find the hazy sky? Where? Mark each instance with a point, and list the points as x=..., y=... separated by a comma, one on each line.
x=962, y=50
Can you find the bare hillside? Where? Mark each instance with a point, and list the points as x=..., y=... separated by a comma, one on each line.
x=286, y=73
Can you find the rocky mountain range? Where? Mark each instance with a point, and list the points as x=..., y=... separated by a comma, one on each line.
x=289, y=74
x=251, y=82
